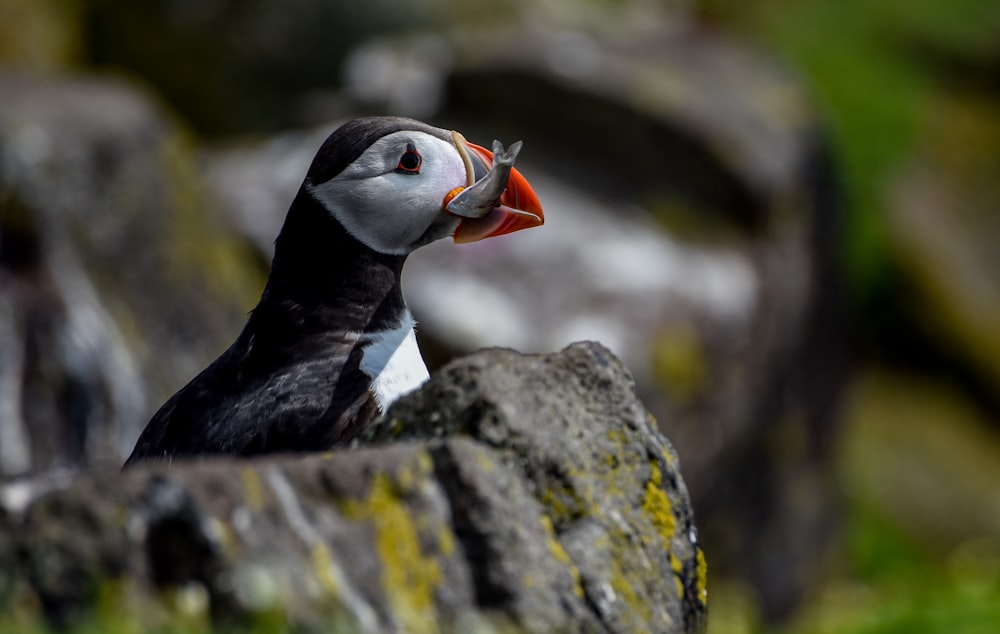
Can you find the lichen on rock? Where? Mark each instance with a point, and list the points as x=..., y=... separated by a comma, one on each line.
x=528, y=493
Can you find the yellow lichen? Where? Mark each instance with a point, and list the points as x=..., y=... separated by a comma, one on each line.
x=405, y=479
x=409, y=578
x=675, y=564
x=559, y=553
x=678, y=567
x=621, y=583
x=446, y=541
x=657, y=506
x=253, y=494
x=669, y=457
x=702, y=577
x=409, y=477
x=621, y=574
x=322, y=565
x=222, y=534
x=425, y=464
x=616, y=436
x=484, y=462
x=561, y=501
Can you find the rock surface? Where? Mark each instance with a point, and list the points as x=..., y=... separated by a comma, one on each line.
x=943, y=227
x=264, y=66
x=531, y=492
x=115, y=286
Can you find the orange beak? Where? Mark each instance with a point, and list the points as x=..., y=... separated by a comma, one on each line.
x=517, y=208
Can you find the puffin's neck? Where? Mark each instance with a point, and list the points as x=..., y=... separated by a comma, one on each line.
x=322, y=278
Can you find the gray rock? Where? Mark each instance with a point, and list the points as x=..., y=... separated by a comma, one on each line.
x=115, y=286
x=942, y=228
x=525, y=492
x=603, y=484
x=267, y=66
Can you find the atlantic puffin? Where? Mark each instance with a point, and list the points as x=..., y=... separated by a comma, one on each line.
x=331, y=343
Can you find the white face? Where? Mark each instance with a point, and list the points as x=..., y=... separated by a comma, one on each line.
x=385, y=203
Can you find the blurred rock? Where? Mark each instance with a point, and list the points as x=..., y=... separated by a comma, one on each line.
x=524, y=493
x=263, y=66
x=256, y=60
x=691, y=220
x=943, y=232
x=922, y=456
x=115, y=287
x=41, y=35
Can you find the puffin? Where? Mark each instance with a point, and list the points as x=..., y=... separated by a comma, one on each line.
x=331, y=343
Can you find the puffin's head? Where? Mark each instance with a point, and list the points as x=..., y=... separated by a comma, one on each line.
x=393, y=184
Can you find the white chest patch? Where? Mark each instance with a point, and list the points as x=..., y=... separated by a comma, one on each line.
x=393, y=361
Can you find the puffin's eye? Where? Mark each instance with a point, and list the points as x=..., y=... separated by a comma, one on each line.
x=409, y=163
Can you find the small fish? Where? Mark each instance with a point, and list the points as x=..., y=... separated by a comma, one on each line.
x=477, y=200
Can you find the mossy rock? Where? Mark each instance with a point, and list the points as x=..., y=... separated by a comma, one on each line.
x=116, y=283
x=442, y=521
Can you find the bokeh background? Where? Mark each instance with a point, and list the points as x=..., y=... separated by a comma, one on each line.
x=783, y=215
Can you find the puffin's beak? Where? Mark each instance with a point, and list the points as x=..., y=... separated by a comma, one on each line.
x=516, y=208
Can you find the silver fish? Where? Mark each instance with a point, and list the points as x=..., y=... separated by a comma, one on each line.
x=481, y=197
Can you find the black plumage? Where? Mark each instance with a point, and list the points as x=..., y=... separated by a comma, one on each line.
x=291, y=381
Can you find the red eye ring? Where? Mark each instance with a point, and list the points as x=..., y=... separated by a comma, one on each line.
x=410, y=162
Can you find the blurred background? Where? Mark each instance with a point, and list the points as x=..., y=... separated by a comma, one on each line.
x=783, y=216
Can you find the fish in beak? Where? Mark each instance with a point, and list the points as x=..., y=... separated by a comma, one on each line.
x=497, y=199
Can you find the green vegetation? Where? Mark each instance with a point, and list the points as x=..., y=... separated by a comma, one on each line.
x=864, y=62
x=901, y=587
x=922, y=552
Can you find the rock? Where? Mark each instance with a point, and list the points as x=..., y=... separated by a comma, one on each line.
x=267, y=67
x=257, y=62
x=512, y=491
x=115, y=285
x=899, y=424
x=943, y=229
x=530, y=410
x=40, y=35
